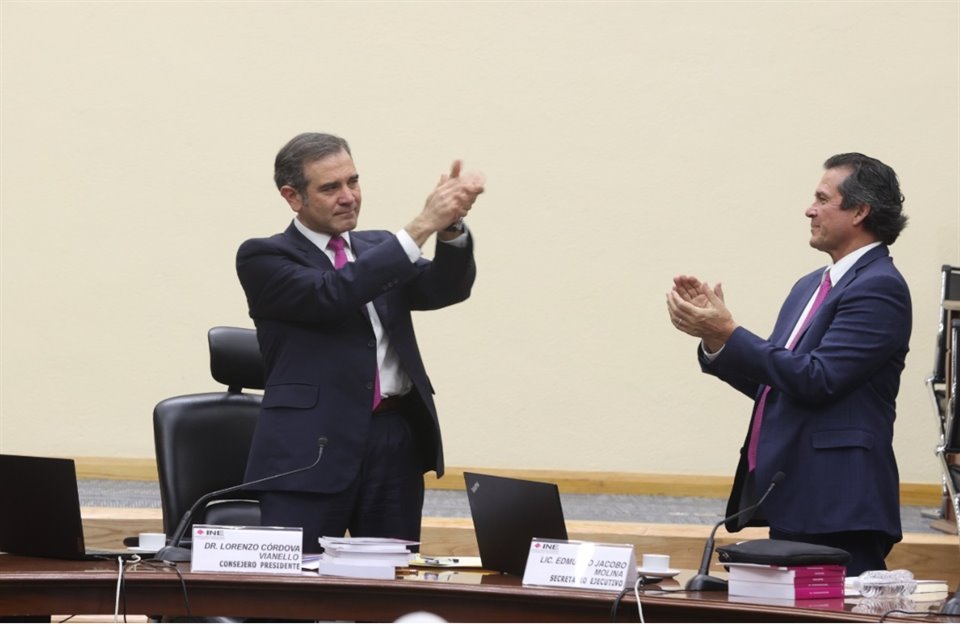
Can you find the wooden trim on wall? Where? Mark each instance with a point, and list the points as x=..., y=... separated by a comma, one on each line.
x=591, y=482
x=117, y=468
x=609, y=482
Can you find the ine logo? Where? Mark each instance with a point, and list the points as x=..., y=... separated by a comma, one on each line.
x=546, y=546
x=210, y=532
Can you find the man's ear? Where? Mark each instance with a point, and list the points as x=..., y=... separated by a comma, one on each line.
x=863, y=210
x=292, y=196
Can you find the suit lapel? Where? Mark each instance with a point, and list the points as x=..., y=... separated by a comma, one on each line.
x=360, y=242
x=837, y=287
x=865, y=260
x=311, y=253
x=795, y=305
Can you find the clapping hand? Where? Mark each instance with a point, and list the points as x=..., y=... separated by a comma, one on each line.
x=699, y=310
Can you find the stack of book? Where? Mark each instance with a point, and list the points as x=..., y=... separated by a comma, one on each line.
x=788, y=583
x=931, y=590
x=363, y=557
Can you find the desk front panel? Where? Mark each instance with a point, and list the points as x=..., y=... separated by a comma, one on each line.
x=32, y=586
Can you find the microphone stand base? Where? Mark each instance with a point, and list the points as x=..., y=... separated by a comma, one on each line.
x=173, y=554
x=703, y=582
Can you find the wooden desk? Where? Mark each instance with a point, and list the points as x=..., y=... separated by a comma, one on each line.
x=34, y=587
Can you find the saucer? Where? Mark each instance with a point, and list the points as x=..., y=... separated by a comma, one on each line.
x=662, y=573
x=151, y=550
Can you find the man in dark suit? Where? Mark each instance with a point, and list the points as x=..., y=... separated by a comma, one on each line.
x=332, y=310
x=825, y=382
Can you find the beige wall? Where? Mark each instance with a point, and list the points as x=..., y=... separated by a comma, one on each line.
x=623, y=143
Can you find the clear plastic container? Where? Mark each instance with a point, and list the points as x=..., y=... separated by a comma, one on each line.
x=880, y=606
x=885, y=584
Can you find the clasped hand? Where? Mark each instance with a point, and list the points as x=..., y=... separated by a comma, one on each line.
x=449, y=203
x=699, y=310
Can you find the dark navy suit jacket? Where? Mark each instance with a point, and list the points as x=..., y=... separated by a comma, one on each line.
x=320, y=351
x=828, y=420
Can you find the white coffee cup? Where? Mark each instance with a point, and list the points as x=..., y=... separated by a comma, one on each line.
x=656, y=562
x=152, y=541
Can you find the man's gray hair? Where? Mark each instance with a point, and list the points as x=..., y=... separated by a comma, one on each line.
x=304, y=148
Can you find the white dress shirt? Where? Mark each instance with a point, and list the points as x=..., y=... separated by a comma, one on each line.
x=836, y=271
x=393, y=380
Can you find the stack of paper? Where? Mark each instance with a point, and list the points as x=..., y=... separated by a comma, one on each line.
x=793, y=583
x=364, y=557
x=930, y=590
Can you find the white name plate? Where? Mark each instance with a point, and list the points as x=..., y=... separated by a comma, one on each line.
x=580, y=565
x=247, y=549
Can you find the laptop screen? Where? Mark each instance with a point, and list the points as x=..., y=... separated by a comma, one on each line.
x=40, y=507
x=507, y=513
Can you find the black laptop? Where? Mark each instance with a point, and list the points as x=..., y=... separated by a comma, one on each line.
x=40, y=510
x=507, y=514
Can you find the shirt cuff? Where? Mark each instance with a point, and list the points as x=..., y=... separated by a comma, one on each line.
x=461, y=240
x=409, y=246
x=710, y=357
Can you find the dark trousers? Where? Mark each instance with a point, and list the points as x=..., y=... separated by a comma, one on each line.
x=385, y=500
x=868, y=549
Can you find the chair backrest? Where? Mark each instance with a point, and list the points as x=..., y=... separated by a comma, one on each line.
x=951, y=418
x=202, y=440
x=949, y=291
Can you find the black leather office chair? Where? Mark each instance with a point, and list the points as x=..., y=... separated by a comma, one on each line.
x=202, y=440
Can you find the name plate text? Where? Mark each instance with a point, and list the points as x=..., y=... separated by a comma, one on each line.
x=580, y=565
x=247, y=549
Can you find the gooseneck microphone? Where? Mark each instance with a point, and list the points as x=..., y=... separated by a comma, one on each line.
x=173, y=552
x=703, y=581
